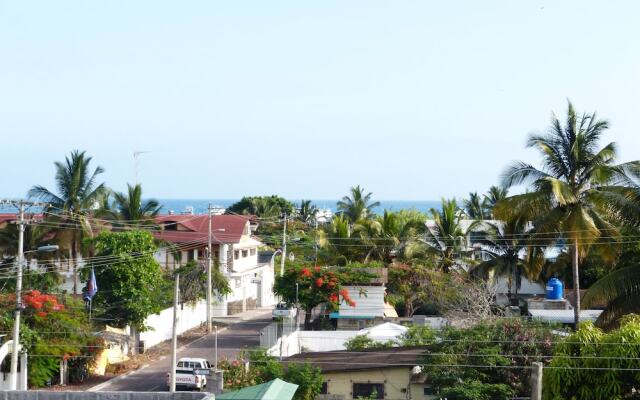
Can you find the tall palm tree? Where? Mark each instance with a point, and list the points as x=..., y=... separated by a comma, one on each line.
x=307, y=211
x=445, y=234
x=576, y=193
x=358, y=205
x=474, y=207
x=510, y=253
x=493, y=196
x=129, y=210
x=78, y=193
x=389, y=235
x=337, y=238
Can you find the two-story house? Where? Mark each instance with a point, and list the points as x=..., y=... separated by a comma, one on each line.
x=235, y=253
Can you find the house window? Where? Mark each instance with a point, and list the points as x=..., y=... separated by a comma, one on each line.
x=325, y=388
x=245, y=253
x=236, y=254
x=252, y=252
x=368, y=390
x=429, y=391
x=170, y=226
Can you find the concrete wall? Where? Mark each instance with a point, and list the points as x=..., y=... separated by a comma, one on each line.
x=189, y=316
x=311, y=341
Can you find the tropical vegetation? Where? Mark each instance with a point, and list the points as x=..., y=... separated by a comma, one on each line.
x=579, y=194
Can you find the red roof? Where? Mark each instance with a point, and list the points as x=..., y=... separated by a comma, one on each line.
x=7, y=218
x=194, y=228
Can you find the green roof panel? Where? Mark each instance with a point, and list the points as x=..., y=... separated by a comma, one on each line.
x=276, y=389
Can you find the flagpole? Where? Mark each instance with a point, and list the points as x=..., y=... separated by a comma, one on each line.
x=90, y=301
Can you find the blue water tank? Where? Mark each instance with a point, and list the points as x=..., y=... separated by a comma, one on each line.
x=554, y=289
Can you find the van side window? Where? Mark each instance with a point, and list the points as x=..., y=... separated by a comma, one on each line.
x=180, y=364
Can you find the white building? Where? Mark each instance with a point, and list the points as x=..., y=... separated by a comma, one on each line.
x=235, y=253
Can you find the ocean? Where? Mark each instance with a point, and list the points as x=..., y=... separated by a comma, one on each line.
x=199, y=206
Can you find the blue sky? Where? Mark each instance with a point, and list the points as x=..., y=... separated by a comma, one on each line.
x=414, y=100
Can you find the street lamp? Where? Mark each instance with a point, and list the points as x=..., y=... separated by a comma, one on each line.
x=16, y=326
x=273, y=256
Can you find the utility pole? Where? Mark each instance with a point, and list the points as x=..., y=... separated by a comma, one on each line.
x=174, y=338
x=16, y=323
x=209, y=267
x=215, y=357
x=284, y=245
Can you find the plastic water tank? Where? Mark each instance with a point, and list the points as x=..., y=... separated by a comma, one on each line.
x=554, y=289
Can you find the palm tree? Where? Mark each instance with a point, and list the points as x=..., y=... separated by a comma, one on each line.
x=445, y=234
x=575, y=193
x=474, y=207
x=78, y=194
x=510, y=254
x=307, y=211
x=337, y=238
x=493, y=196
x=129, y=210
x=389, y=235
x=357, y=206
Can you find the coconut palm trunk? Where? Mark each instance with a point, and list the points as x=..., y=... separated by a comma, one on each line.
x=576, y=282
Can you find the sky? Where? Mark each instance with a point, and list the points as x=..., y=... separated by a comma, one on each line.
x=414, y=100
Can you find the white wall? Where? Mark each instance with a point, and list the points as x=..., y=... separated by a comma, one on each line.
x=189, y=316
x=312, y=341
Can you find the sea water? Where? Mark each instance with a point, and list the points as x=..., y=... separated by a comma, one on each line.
x=199, y=206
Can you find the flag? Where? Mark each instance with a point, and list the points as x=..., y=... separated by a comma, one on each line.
x=92, y=286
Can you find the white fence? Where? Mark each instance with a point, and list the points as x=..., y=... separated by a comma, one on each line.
x=311, y=341
x=190, y=315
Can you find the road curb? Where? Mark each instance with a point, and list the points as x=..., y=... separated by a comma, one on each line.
x=102, y=385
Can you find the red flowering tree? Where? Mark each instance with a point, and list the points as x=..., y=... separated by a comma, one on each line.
x=52, y=328
x=319, y=285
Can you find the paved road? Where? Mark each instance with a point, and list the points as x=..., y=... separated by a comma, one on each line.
x=236, y=336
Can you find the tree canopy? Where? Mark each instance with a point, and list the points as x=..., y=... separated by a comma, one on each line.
x=131, y=286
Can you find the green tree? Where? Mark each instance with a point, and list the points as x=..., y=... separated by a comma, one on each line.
x=340, y=245
x=493, y=196
x=309, y=286
x=262, y=206
x=52, y=328
x=78, y=193
x=263, y=368
x=504, y=243
x=357, y=205
x=307, y=212
x=591, y=364
x=193, y=281
x=475, y=390
x=389, y=235
x=308, y=378
x=131, y=286
x=418, y=336
x=474, y=207
x=576, y=192
x=407, y=286
x=130, y=211
x=445, y=234
x=363, y=342
x=497, y=346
